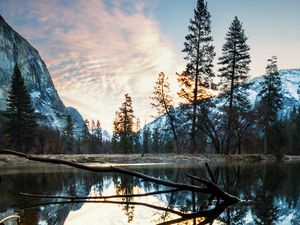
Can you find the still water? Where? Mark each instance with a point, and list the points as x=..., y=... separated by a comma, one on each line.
x=273, y=188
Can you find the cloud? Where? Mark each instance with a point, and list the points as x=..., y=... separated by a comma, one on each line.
x=97, y=51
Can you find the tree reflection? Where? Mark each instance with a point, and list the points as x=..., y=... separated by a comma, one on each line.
x=124, y=185
x=272, y=188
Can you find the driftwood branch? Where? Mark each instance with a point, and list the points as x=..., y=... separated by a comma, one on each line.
x=211, y=188
x=96, y=197
x=16, y=217
x=210, y=173
x=208, y=215
x=216, y=190
x=110, y=202
x=207, y=187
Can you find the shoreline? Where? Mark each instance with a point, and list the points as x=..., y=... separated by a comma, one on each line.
x=147, y=159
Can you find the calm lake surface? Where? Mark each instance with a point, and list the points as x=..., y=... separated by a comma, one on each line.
x=274, y=189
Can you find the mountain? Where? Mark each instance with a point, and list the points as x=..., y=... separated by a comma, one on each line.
x=49, y=107
x=290, y=80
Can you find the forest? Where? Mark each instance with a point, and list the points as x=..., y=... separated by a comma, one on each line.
x=214, y=113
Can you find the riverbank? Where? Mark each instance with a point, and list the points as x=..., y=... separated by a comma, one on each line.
x=106, y=159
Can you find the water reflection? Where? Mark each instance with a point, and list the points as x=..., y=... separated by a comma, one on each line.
x=273, y=188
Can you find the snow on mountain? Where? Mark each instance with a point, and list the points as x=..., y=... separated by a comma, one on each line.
x=14, y=49
x=290, y=90
x=106, y=136
x=290, y=80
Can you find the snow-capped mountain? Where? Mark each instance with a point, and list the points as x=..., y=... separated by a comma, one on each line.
x=290, y=80
x=290, y=89
x=46, y=101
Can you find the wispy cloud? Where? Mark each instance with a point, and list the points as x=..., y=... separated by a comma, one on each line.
x=97, y=51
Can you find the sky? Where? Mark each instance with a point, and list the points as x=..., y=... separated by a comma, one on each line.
x=99, y=50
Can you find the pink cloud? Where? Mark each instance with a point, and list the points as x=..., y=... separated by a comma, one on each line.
x=97, y=52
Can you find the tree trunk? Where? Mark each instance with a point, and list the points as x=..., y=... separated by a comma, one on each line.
x=266, y=142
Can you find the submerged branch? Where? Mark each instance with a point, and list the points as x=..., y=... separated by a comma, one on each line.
x=110, y=202
x=96, y=197
x=17, y=217
x=212, y=189
x=216, y=190
x=208, y=215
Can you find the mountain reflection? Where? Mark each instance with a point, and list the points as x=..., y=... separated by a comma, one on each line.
x=272, y=188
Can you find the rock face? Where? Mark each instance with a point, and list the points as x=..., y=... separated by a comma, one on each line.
x=14, y=49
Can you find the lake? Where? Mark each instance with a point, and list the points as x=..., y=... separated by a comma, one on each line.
x=273, y=189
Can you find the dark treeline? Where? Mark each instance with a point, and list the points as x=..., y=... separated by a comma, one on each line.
x=201, y=123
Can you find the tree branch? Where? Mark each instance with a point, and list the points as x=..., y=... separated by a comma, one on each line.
x=96, y=197
x=211, y=189
x=110, y=202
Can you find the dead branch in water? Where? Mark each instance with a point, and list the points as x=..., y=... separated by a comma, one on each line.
x=207, y=187
x=16, y=217
x=211, y=188
x=108, y=202
x=97, y=197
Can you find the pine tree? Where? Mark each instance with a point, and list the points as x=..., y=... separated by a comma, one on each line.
x=92, y=143
x=136, y=136
x=156, y=140
x=271, y=99
x=234, y=68
x=123, y=126
x=199, y=54
x=163, y=101
x=146, y=140
x=85, y=134
x=98, y=134
x=293, y=131
x=21, y=122
x=69, y=133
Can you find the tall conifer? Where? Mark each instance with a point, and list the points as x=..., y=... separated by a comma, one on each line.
x=69, y=133
x=199, y=54
x=123, y=126
x=21, y=122
x=271, y=99
x=234, y=68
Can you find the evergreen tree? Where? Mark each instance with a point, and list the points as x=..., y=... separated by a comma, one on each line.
x=123, y=126
x=271, y=100
x=92, y=138
x=199, y=54
x=146, y=140
x=21, y=122
x=156, y=140
x=98, y=134
x=234, y=68
x=163, y=101
x=115, y=139
x=85, y=132
x=136, y=136
x=69, y=134
x=294, y=131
